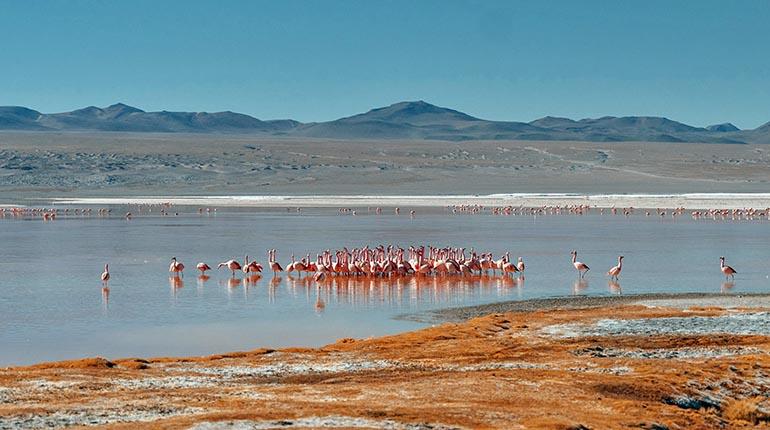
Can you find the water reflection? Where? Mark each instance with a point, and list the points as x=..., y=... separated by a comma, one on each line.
x=319, y=304
x=579, y=286
x=614, y=287
x=233, y=282
x=252, y=279
x=105, y=298
x=726, y=287
x=397, y=290
x=175, y=282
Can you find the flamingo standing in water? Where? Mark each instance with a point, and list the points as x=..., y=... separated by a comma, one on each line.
x=520, y=265
x=176, y=267
x=230, y=264
x=508, y=267
x=203, y=267
x=581, y=267
x=251, y=267
x=106, y=274
x=614, y=272
x=273, y=264
x=727, y=270
x=290, y=266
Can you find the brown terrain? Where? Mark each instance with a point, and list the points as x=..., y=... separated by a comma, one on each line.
x=648, y=367
x=76, y=164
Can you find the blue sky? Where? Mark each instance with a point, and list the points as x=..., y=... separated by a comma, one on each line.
x=700, y=62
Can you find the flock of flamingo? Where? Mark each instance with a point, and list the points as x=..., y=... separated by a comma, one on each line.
x=393, y=261
x=164, y=209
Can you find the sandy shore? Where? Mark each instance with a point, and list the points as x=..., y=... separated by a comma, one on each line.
x=688, y=201
x=597, y=363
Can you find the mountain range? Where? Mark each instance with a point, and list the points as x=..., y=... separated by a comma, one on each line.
x=404, y=120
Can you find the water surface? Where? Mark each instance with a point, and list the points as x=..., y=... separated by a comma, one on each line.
x=52, y=305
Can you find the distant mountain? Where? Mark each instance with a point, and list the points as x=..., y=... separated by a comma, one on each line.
x=415, y=120
x=121, y=117
x=19, y=118
x=724, y=127
x=404, y=120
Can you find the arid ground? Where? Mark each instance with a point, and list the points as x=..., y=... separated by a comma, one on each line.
x=125, y=164
x=564, y=364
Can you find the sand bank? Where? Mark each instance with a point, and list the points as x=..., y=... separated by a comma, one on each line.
x=550, y=367
x=688, y=201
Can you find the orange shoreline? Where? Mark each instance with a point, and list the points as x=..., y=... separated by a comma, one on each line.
x=504, y=370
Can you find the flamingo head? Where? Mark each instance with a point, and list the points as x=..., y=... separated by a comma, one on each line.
x=173, y=258
x=722, y=258
x=221, y=265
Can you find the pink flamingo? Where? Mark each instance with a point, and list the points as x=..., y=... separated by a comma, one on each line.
x=251, y=267
x=581, y=267
x=230, y=264
x=614, y=272
x=106, y=274
x=290, y=266
x=507, y=266
x=203, y=267
x=274, y=264
x=727, y=270
x=176, y=267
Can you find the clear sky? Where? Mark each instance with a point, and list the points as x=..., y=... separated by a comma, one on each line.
x=699, y=62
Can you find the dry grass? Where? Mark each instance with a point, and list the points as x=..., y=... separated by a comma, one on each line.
x=750, y=409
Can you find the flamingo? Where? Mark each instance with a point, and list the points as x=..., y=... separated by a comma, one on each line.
x=106, y=274
x=203, y=267
x=581, y=267
x=614, y=272
x=290, y=266
x=319, y=276
x=251, y=267
x=176, y=267
x=230, y=264
x=727, y=270
x=274, y=264
x=507, y=266
x=520, y=265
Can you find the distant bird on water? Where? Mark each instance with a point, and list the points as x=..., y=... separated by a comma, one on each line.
x=176, y=267
x=614, y=272
x=106, y=274
x=581, y=267
x=203, y=267
x=727, y=270
x=230, y=264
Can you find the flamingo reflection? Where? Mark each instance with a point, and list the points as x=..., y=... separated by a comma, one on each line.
x=726, y=287
x=319, y=304
x=614, y=287
x=105, y=297
x=579, y=286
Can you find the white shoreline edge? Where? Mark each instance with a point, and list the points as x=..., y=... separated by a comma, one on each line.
x=667, y=201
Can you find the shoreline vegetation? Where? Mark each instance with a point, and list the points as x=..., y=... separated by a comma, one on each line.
x=650, y=361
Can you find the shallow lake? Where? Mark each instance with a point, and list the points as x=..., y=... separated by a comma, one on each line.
x=52, y=305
